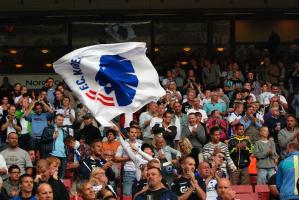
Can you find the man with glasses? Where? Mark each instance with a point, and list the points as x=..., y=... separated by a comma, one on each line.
x=11, y=184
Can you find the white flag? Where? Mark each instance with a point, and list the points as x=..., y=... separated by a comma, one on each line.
x=111, y=79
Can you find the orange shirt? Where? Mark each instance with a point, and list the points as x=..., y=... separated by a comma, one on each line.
x=111, y=145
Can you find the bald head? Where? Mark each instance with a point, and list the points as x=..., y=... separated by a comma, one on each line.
x=223, y=187
x=204, y=170
x=44, y=192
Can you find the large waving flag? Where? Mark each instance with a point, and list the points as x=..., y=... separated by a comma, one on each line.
x=111, y=79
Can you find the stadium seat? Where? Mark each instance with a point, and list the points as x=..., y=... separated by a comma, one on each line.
x=241, y=189
x=263, y=192
x=247, y=196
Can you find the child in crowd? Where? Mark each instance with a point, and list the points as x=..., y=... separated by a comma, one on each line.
x=265, y=152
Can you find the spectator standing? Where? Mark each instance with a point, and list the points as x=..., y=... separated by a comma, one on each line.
x=68, y=114
x=4, y=106
x=145, y=120
x=233, y=84
x=89, y=132
x=288, y=135
x=179, y=120
x=191, y=94
x=210, y=180
x=275, y=91
x=240, y=149
x=195, y=132
x=25, y=125
x=14, y=155
x=210, y=74
x=275, y=123
x=9, y=123
x=251, y=124
x=215, y=146
x=214, y=104
x=197, y=107
x=39, y=120
x=111, y=143
x=166, y=128
x=265, y=152
x=96, y=160
x=188, y=186
x=155, y=189
x=287, y=173
x=234, y=118
x=53, y=143
x=49, y=87
x=216, y=121
x=129, y=173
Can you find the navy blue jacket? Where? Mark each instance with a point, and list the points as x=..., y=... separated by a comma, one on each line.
x=167, y=195
x=88, y=164
x=48, y=142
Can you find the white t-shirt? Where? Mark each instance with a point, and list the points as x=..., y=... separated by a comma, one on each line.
x=282, y=98
x=264, y=98
x=10, y=128
x=177, y=123
x=232, y=117
x=67, y=118
x=129, y=165
x=24, y=124
x=211, y=190
x=19, y=97
x=3, y=165
x=155, y=120
x=145, y=116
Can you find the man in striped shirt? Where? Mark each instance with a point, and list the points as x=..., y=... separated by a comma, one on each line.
x=214, y=147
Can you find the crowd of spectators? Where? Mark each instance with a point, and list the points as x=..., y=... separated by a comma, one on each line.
x=194, y=143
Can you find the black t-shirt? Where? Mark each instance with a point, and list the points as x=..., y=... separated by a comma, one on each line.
x=156, y=195
x=185, y=107
x=139, y=185
x=181, y=185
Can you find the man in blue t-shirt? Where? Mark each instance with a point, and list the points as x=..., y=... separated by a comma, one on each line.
x=39, y=120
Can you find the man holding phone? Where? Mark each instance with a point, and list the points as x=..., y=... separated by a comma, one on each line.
x=53, y=143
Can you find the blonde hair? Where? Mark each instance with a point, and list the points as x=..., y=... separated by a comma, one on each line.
x=53, y=159
x=185, y=146
x=93, y=173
